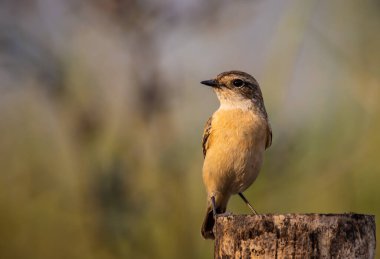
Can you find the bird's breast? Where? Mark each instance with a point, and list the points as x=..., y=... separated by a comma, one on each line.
x=235, y=149
x=238, y=130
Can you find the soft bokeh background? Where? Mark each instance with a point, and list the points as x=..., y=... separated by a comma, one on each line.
x=102, y=113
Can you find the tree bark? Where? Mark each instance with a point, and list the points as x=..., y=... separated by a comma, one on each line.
x=295, y=236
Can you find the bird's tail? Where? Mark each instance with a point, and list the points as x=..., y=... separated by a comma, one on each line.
x=209, y=222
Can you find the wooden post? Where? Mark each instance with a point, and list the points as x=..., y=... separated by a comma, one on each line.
x=295, y=236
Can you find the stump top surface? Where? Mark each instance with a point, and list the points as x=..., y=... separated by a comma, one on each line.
x=348, y=214
x=310, y=235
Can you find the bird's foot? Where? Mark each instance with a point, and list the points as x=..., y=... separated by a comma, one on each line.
x=213, y=205
x=248, y=204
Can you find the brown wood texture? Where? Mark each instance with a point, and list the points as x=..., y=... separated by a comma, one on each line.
x=295, y=236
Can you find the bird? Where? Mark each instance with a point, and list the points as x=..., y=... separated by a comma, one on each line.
x=234, y=140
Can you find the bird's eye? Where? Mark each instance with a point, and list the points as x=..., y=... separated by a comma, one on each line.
x=238, y=83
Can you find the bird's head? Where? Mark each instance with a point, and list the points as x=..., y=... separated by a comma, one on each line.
x=236, y=89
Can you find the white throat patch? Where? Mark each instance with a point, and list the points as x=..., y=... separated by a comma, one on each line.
x=243, y=104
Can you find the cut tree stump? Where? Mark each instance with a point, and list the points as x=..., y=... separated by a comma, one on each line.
x=295, y=236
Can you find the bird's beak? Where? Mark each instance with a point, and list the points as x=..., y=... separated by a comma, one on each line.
x=212, y=83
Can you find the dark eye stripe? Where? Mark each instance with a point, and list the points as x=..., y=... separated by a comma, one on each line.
x=238, y=83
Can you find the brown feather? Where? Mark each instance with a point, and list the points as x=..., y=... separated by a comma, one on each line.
x=206, y=134
x=269, y=136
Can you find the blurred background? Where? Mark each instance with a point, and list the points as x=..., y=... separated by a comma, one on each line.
x=102, y=115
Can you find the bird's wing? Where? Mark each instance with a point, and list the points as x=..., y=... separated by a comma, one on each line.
x=269, y=136
x=206, y=134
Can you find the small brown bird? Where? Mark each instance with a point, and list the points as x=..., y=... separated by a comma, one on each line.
x=234, y=140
